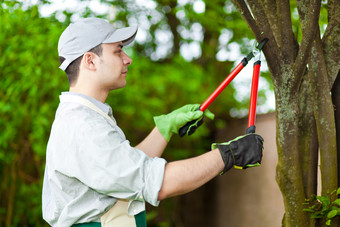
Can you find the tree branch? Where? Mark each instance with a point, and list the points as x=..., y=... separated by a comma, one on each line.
x=324, y=116
x=262, y=23
x=173, y=23
x=285, y=23
x=271, y=12
x=261, y=29
x=308, y=140
x=331, y=46
x=245, y=13
x=303, y=10
x=309, y=33
x=333, y=8
x=11, y=194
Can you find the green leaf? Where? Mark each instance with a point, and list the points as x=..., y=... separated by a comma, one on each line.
x=337, y=202
x=316, y=215
x=328, y=222
x=324, y=199
x=338, y=191
x=332, y=214
x=309, y=210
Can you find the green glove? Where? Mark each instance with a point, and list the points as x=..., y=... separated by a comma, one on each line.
x=243, y=152
x=170, y=123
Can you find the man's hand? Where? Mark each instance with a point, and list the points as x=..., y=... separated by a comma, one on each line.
x=242, y=152
x=172, y=122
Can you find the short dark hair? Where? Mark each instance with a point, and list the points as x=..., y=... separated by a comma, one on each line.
x=72, y=70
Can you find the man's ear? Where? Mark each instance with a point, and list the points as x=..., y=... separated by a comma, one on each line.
x=89, y=60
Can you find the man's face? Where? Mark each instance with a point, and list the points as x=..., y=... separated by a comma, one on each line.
x=112, y=68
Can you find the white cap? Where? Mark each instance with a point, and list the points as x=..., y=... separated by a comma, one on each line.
x=85, y=34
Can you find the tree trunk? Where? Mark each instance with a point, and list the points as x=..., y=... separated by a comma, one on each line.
x=289, y=175
x=308, y=140
x=324, y=115
x=304, y=108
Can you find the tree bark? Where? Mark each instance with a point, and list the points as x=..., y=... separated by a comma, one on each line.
x=331, y=44
x=308, y=140
x=324, y=115
x=289, y=175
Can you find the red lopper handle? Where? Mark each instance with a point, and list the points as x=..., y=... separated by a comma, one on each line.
x=253, y=95
x=220, y=88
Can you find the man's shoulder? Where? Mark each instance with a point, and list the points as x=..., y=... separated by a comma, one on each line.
x=79, y=115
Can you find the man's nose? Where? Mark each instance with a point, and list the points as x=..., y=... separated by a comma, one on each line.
x=126, y=59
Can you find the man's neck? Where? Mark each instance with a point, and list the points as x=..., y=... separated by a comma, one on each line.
x=100, y=96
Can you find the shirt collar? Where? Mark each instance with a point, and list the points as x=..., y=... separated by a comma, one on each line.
x=103, y=106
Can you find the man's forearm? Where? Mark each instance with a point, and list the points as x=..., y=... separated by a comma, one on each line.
x=183, y=176
x=154, y=144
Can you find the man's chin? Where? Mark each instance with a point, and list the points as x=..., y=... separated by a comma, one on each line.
x=118, y=86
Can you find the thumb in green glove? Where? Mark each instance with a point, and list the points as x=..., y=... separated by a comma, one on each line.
x=170, y=123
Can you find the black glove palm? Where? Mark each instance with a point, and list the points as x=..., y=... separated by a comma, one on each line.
x=242, y=152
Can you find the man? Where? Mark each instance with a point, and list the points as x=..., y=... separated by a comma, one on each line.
x=93, y=177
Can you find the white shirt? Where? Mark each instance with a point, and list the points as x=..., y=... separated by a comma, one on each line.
x=89, y=164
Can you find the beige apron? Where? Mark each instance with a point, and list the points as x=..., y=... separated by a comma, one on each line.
x=117, y=216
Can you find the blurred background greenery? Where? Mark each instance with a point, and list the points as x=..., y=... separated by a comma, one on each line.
x=183, y=51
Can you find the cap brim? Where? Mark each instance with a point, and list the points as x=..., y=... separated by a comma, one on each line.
x=125, y=35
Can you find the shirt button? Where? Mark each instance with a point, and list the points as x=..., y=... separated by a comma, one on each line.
x=141, y=197
x=133, y=205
